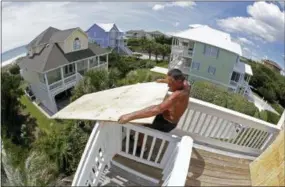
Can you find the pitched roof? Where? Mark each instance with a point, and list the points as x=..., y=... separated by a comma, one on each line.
x=52, y=57
x=43, y=37
x=62, y=35
x=108, y=26
x=208, y=35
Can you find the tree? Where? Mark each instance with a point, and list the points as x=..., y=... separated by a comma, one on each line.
x=149, y=47
x=15, y=69
x=165, y=51
x=93, y=81
x=114, y=75
x=64, y=147
x=163, y=40
x=157, y=49
x=10, y=104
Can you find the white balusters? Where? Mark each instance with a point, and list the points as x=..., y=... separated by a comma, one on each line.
x=212, y=124
x=148, y=153
x=151, y=149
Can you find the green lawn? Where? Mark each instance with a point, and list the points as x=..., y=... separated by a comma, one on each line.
x=44, y=123
x=163, y=64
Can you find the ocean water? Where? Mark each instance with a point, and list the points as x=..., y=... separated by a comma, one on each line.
x=13, y=53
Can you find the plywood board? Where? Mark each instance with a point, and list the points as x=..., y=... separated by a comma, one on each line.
x=268, y=168
x=109, y=105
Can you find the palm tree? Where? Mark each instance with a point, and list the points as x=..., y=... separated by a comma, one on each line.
x=165, y=51
x=157, y=50
x=149, y=47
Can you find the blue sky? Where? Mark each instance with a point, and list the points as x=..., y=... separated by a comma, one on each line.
x=257, y=26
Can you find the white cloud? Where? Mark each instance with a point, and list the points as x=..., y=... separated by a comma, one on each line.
x=176, y=24
x=182, y=4
x=266, y=21
x=245, y=41
x=23, y=21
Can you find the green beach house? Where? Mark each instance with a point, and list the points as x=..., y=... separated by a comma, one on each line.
x=204, y=53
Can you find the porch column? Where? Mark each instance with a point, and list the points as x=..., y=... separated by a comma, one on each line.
x=46, y=79
x=99, y=60
x=75, y=67
x=61, y=72
x=88, y=64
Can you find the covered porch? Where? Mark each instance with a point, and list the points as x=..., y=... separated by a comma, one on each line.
x=66, y=76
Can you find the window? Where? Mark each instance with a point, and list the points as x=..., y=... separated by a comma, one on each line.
x=69, y=69
x=185, y=44
x=196, y=65
x=211, y=51
x=187, y=62
x=93, y=62
x=76, y=44
x=235, y=76
x=246, y=77
x=212, y=70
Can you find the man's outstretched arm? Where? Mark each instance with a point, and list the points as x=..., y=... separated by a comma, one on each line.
x=162, y=81
x=149, y=111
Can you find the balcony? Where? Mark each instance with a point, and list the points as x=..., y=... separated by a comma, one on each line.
x=211, y=145
x=182, y=50
x=69, y=80
x=183, y=64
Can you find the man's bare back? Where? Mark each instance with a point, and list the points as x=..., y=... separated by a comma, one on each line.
x=174, y=113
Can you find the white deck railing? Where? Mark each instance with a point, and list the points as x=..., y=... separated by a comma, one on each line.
x=217, y=126
x=176, y=172
x=163, y=142
x=109, y=139
x=100, y=148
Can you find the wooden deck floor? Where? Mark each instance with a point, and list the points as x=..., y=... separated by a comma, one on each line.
x=212, y=169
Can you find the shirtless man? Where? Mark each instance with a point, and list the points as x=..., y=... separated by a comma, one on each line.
x=170, y=110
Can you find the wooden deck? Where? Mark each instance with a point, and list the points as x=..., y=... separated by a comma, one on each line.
x=206, y=169
x=212, y=169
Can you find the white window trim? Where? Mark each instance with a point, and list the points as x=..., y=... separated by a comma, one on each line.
x=195, y=67
x=212, y=68
x=211, y=51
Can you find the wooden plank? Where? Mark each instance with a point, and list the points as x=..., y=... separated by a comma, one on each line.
x=271, y=162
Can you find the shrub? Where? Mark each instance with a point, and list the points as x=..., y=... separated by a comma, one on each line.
x=263, y=115
x=272, y=117
x=278, y=108
x=218, y=95
x=14, y=69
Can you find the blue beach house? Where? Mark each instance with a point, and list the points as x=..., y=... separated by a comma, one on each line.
x=108, y=35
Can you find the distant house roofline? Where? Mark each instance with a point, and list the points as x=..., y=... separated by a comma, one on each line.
x=275, y=64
